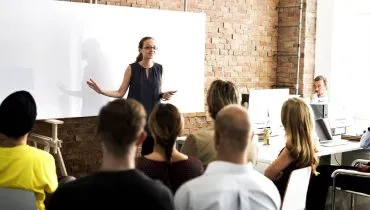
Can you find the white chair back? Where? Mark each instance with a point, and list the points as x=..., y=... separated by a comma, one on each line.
x=20, y=199
x=296, y=191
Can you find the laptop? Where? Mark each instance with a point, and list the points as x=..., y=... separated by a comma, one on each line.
x=323, y=132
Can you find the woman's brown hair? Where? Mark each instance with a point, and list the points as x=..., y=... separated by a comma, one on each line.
x=220, y=94
x=165, y=124
x=298, y=121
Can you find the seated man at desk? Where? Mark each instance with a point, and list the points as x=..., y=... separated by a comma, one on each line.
x=320, y=87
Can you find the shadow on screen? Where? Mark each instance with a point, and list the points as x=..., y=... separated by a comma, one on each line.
x=96, y=66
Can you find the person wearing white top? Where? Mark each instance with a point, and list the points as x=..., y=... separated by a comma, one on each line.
x=229, y=182
x=320, y=86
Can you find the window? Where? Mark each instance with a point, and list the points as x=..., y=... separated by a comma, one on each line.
x=343, y=55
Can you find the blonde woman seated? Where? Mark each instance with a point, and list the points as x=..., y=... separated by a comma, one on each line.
x=166, y=163
x=299, y=151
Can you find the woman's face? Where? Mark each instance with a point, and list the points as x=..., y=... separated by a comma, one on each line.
x=149, y=49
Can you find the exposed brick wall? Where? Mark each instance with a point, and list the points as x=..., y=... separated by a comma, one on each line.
x=309, y=40
x=288, y=39
x=240, y=43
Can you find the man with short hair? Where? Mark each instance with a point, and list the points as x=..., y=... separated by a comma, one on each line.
x=117, y=184
x=320, y=88
x=23, y=166
x=229, y=182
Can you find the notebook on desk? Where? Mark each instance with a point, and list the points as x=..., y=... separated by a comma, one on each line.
x=323, y=132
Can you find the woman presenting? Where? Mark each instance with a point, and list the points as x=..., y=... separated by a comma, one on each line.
x=144, y=77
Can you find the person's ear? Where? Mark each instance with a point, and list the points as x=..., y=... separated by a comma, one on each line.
x=141, y=138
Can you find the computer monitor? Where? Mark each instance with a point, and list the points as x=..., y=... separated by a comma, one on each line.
x=323, y=130
x=265, y=107
x=320, y=111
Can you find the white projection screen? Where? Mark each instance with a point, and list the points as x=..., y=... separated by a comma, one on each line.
x=51, y=48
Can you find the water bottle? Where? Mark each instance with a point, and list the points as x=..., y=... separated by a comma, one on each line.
x=267, y=130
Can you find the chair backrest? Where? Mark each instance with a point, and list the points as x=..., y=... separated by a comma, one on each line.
x=20, y=199
x=296, y=191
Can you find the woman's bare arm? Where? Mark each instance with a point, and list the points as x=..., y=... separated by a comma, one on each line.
x=275, y=170
x=113, y=93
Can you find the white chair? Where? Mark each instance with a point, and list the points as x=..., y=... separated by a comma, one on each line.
x=20, y=199
x=352, y=173
x=296, y=191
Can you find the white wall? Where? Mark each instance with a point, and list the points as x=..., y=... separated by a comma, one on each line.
x=342, y=54
x=51, y=48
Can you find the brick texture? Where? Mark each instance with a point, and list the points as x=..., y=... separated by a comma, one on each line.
x=288, y=43
x=240, y=44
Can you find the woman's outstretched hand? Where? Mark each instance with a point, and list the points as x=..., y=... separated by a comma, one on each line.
x=92, y=84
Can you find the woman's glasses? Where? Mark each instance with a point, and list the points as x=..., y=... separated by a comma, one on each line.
x=150, y=47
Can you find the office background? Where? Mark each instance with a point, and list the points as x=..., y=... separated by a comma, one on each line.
x=242, y=43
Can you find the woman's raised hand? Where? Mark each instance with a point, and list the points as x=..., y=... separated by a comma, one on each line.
x=92, y=84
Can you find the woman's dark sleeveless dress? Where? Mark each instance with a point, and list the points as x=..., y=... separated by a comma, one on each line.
x=147, y=91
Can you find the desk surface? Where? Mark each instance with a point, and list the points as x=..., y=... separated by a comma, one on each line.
x=268, y=153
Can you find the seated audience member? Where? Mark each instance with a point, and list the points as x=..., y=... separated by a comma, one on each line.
x=166, y=163
x=300, y=150
x=200, y=144
x=320, y=87
x=120, y=130
x=23, y=166
x=229, y=182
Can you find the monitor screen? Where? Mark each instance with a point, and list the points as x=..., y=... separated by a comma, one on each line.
x=265, y=107
x=323, y=129
x=320, y=110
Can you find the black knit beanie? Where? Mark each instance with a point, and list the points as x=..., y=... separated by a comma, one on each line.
x=17, y=114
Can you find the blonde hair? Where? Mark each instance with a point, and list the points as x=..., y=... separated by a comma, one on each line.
x=298, y=121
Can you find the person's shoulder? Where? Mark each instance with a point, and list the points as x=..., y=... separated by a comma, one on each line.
x=41, y=154
x=259, y=182
x=154, y=190
x=78, y=184
x=191, y=186
x=158, y=65
x=133, y=65
x=203, y=134
x=195, y=182
x=195, y=162
x=149, y=184
x=69, y=193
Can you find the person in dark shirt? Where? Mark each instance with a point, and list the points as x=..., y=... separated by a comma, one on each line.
x=143, y=78
x=117, y=184
x=166, y=163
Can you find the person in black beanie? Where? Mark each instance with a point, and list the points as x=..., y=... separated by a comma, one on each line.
x=23, y=166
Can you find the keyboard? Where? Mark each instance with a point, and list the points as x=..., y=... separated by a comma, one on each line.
x=333, y=143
